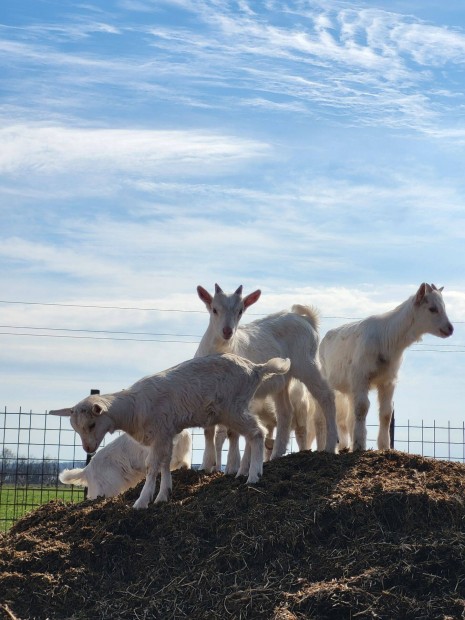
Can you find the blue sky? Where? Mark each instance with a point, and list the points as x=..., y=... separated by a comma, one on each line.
x=314, y=150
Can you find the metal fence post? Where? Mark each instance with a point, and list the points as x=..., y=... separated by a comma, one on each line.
x=89, y=456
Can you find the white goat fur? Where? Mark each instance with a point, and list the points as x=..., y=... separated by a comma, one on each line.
x=200, y=392
x=292, y=334
x=120, y=465
x=302, y=423
x=367, y=354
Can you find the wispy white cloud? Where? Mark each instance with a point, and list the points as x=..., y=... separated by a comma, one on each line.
x=42, y=257
x=51, y=150
x=368, y=61
x=67, y=31
x=326, y=230
x=430, y=46
x=311, y=149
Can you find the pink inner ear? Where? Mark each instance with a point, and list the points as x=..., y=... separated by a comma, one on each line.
x=251, y=298
x=204, y=295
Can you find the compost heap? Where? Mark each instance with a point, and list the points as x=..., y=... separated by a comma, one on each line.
x=362, y=535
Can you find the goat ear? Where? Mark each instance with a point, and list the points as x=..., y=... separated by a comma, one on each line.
x=422, y=291
x=97, y=409
x=204, y=296
x=251, y=298
x=66, y=412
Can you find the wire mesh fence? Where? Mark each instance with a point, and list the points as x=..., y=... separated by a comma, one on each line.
x=36, y=447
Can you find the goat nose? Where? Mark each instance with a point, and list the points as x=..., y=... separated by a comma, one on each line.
x=451, y=328
x=227, y=332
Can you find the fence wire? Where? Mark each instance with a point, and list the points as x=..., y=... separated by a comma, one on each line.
x=36, y=447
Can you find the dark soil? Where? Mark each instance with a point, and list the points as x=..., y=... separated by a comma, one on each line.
x=363, y=535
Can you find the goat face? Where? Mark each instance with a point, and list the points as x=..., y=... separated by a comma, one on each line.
x=432, y=311
x=226, y=310
x=88, y=420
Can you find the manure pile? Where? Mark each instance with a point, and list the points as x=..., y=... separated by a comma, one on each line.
x=364, y=535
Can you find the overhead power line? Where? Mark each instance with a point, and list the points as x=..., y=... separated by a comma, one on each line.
x=138, y=308
x=432, y=348
x=98, y=338
x=97, y=331
x=39, y=303
x=437, y=350
x=126, y=336
x=162, y=334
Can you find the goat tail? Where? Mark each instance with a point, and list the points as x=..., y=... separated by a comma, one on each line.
x=276, y=366
x=74, y=476
x=310, y=313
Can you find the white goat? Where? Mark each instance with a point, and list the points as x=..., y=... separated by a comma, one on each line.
x=120, y=465
x=284, y=334
x=367, y=354
x=343, y=417
x=306, y=425
x=265, y=410
x=308, y=422
x=201, y=392
x=304, y=417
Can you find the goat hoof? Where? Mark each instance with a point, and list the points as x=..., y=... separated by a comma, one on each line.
x=163, y=497
x=140, y=505
x=253, y=479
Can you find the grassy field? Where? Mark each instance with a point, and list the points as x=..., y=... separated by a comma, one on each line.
x=17, y=501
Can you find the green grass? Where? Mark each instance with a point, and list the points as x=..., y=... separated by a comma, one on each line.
x=17, y=501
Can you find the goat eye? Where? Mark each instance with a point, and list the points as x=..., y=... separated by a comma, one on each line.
x=433, y=310
x=215, y=311
x=240, y=312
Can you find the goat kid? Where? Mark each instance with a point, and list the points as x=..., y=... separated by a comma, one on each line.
x=303, y=424
x=291, y=334
x=201, y=392
x=120, y=465
x=359, y=356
